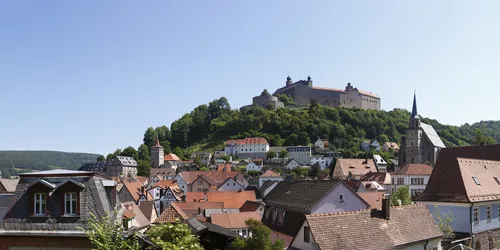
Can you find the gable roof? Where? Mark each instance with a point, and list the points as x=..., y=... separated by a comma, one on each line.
x=357, y=167
x=231, y=220
x=350, y=230
x=162, y=172
x=414, y=169
x=250, y=206
x=192, y=208
x=133, y=187
x=374, y=199
x=171, y=214
x=382, y=178
x=432, y=135
x=139, y=217
x=194, y=196
x=299, y=196
x=198, y=227
x=267, y=184
x=147, y=208
x=269, y=173
x=216, y=176
x=9, y=184
x=231, y=199
x=171, y=157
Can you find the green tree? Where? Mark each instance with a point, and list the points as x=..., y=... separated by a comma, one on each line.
x=197, y=161
x=287, y=100
x=204, y=168
x=101, y=158
x=260, y=238
x=173, y=236
x=105, y=233
x=300, y=172
x=110, y=157
x=117, y=152
x=271, y=154
x=283, y=154
x=130, y=152
x=143, y=168
x=178, y=151
x=444, y=222
x=150, y=137
x=401, y=196
x=143, y=153
x=382, y=138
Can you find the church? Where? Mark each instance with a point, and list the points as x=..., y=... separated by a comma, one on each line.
x=421, y=144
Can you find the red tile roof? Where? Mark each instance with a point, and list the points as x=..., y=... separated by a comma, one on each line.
x=287, y=239
x=380, y=177
x=250, y=206
x=134, y=187
x=357, y=167
x=414, y=169
x=234, y=220
x=128, y=214
x=270, y=173
x=192, y=208
x=194, y=196
x=224, y=167
x=171, y=214
x=157, y=145
x=374, y=199
x=231, y=199
x=171, y=157
x=165, y=183
x=255, y=140
x=216, y=176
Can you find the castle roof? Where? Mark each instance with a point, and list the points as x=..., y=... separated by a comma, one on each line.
x=302, y=82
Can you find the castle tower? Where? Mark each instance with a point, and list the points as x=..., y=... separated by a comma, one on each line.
x=157, y=155
x=288, y=81
x=413, y=152
x=309, y=81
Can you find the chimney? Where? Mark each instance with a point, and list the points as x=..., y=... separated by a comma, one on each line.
x=386, y=207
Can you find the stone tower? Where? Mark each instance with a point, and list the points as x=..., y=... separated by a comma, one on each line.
x=413, y=142
x=157, y=155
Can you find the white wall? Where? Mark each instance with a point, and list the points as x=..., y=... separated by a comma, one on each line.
x=331, y=202
x=421, y=245
x=253, y=167
x=181, y=183
x=231, y=185
x=298, y=241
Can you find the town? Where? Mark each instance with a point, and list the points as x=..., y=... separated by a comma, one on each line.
x=305, y=197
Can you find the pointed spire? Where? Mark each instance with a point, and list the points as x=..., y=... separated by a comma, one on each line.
x=157, y=143
x=414, y=113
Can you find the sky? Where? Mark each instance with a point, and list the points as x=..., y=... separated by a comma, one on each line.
x=91, y=76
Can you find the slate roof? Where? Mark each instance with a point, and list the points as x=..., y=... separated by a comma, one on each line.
x=266, y=185
x=230, y=220
x=414, y=169
x=125, y=161
x=4, y=204
x=198, y=227
x=93, y=199
x=299, y=196
x=432, y=135
x=350, y=230
x=9, y=184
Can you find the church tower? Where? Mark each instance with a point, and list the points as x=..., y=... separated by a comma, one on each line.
x=157, y=155
x=413, y=148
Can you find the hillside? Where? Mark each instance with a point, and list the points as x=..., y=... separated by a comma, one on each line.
x=208, y=126
x=22, y=161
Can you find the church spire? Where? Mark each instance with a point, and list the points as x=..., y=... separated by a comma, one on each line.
x=414, y=113
x=157, y=143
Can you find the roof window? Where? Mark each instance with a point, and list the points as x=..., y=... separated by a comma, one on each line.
x=496, y=179
x=475, y=180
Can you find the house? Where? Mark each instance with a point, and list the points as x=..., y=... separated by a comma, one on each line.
x=266, y=187
x=321, y=143
x=323, y=161
x=416, y=176
x=388, y=146
x=231, y=199
x=302, y=154
x=132, y=190
x=352, y=168
x=289, y=202
x=370, y=145
x=407, y=227
x=269, y=175
x=203, y=156
x=171, y=161
x=292, y=164
x=170, y=214
x=380, y=163
x=382, y=178
x=247, y=148
x=120, y=166
x=211, y=236
x=134, y=217
x=253, y=206
x=163, y=193
x=8, y=185
x=49, y=208
x=255, y=165
x=465, y=181
x=235, y=222
x=190, y=181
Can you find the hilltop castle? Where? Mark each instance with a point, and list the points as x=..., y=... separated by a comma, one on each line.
x=303, y=92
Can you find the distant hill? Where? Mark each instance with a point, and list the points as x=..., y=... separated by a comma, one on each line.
x=14, y=162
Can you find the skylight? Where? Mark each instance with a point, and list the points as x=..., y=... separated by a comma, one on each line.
x=496, y=179
x=475, y=180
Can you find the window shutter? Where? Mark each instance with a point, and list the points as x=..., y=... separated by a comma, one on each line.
x=31, y=198
x=47, y=211
x=78, y=203
x=63, y=211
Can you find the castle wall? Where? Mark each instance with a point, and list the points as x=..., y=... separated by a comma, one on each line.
x=370, y=102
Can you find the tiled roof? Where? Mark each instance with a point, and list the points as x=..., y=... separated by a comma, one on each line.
x=255, y=140
x=270, y=173
x=171, y=157
x=300, y=196
x=357, y=167
x=414, y=169
x=350, y=230
x=209, y=211
x=234, y=220
x=165, y=183
x=231, y=199
x=162, y=172
x=456, y=181
x=224, y=167
x=134, y=187
x=374, y=199
x=287, y=239
x=194, y=196
x=128, y=214
x=139, y=217
x=368, y=93
x=9, y=184
x=266, y=185
x=192, y=208
x=171, y=214
x=216, y=176
x=147, y=208
x=250, y=206
x=392, y=145
x=380, y=177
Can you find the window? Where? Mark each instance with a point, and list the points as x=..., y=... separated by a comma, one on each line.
x=400, y=181
x=417, y=181
x=475, y=215
x=488, y=213
x=476, y=180
x=341, y=198
x=70, y=201
x=307, y=235
x=200, y=182
x=244, y=232
x=496, y=179
x=40, y=203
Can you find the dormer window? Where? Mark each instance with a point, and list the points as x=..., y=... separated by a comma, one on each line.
x=70, y=204
x=40, y=203
x=476, y=180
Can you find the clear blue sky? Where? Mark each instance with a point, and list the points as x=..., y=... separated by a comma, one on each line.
x=91, y=76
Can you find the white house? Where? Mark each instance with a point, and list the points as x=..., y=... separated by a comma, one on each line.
x=416, y=176
x=254, y=165
x=302, y=154
x=321, y=143
x=323, y=161
x=248, y=148
x=292, y=164
x=269, y=175
x=380, y=163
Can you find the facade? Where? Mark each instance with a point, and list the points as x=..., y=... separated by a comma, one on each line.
x=352, y=168
x=408, y=227
x=248, y=148
x=255, y=165
x=204, y=157
x=269, y=175
x=466, y=182
x=421, y=143
x=292, y=164
x=157, y=155
x=303, y=92
x=380, y=163
x=323, y=161
x=416, y=176
x=49, y=207
x=120, y=166
x=321, y=143
x=265, y=100
x=302, y=154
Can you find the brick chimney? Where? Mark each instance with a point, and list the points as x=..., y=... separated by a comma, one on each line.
x=386, y=207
